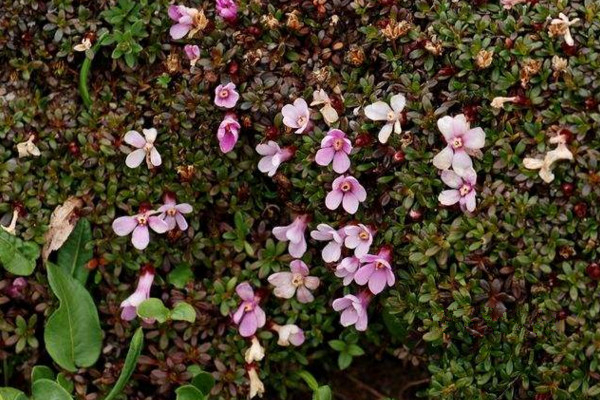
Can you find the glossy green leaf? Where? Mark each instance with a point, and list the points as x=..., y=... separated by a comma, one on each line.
x=17, y=256
x=203, y=382
x=41, y=372
x=135, y=349
x=183, y=312
x=8, y=393
x=73, y=255
x=73, y=336
x=45, y=389
x=154, y=309
x=189, y=392
x=322, y=393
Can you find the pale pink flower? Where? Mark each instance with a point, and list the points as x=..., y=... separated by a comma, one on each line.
x=227, y=9
x=289, y=334
x=295, y=282
x=273, y=156
x=376, y=271
x=172, y=213
x=463, y=189
x=188, y=20
x=347, y=268
x=358, y=237
x=145, y=149
x=461, y=140
x=296, y=116
x=381, y=111
x=354, y=310
x=192, y=52
x=508, y=4
x=249, y=316
x=228, y=132
x=138, y=224
x=226, y=96
x=345, y=190
x=295, y=234
x=333, y=251
x=142, y=292
x=335, y=147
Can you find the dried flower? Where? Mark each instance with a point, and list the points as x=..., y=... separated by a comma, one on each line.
x=142, y=292
x=257, y=388
x=347, y=268
x=559, y=65
x=354, y=310
x=227, y=9
x=172, y=213
x=561, y=27
x=462, y=183
x=28, y=148
x=345, y=190
x=356, y=56
x=289, y=334
x=189, y=21
x=508, y=4
x=498, y=102
x=295, y=234
x=145, y=149
x=529, y=69
x=249, y=316
x=545, y=165
x=393, y=30
x=270, y=21
x=293, y=22
x=484, y=58
x=273, y=156
x=358, y=237
x=381, y=111
x=186, y=172
x=461, y=140
x=295, y=282
x=138, y=224
x=329, y=113
x=333, y=251
x=297, y=115
x=228, y=132
x=226, y=96
x=434, y=46
x=192, y=52
x=255, y=352
x=335, y=147
x=85, y=44
x=376, y=271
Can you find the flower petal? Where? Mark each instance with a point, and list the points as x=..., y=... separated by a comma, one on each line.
x=135, y=139
x=474, y=138
x=333, y=199
x=449, y=197
x=324, y=156
x=140, y=237
x=135, y=158
x=398, y=102
x=350, y=203
x=385, y=132
x=378, y=111
x=341, y=162
x=124, y=225
x=443, y=160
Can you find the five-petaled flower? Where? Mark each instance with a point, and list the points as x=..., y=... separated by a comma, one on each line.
x=293, y=232
x=227, y=9
x=145, y=149
x=228, y=132
x=142, y=292
x=335, y=147
x=461, y=140
x=376, y=271
x=273, y=156
x=354, y=310
x=381, y=111
x=249, y=316
x=172, y=213
x=462, y=183
x=295, y=282
x=345, y=190
x=188, y=20
x=358, y=237
x=226, y=96
x=138, y=224
x=333, y=251
x=347, y=268
x=297, y=115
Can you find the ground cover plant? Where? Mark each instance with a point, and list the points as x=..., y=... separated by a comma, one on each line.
x=327, y=199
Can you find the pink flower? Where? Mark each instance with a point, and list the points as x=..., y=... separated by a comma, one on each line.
x=358, y=237
x=508, y=4
x=228, y=132
x=289, y=334
x=461, y=140
x=376, y=271
x=189, y=20
x=226, y=96
x=333, y=251
x=249, y=316
x=345, y=190
x=227, y=9
x=463, y=189
x=273, y=156
x=138, y=224
x=295, y=282
x=335, y=147
x=192, y=52
x=347, y=268
x=296, y=116
x=172, y=213
x=354, y=310
x=145, y=149
x=142, y=292
x=295, y=234
x=381, y=111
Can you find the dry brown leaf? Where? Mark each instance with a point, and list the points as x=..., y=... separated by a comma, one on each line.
x=62, y=223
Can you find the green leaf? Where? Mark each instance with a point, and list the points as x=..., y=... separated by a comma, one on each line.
x=322, y=393
x=135, y=349
x=73, y=255
x=183, y=312
x=337, y=345
x=8, y=393
x=73, y=335
x=309, y=379
x=204, y=382
x=344, y=360
x=41, y=372
x=180, y=276
x=189, y=392
x=45, y=389
x=17, y=256
x=153, y=309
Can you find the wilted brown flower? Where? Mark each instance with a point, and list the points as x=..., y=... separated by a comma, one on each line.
x=293, y=22
x=270, y=21
x=394, y=29
x=433, y=46
x=173, y=63
x=484, y=58
x=559, y=65
x=356, y=56
x=186, y=172
x=528, y=69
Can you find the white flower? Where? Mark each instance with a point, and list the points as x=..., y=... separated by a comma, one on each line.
x=329, y=113
x=560, y=26
x=256, y=385
x=561, y=152
x=144, y=149
x=498, y=102
x=380, y=111
x=28, y=148
x=289, y=334
x=84, y=45
x=255, y=352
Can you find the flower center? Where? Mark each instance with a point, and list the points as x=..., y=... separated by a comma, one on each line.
x=224, y=94
x=301, y=120
x=363, y=235
x=457, y=143
x=338, y=144
x=248, y=307
x=391, y=116
x=346, y=186
x=171, y=212
x=142, y=220
x=379, y=265
x=297, y=280
x=464, y=190
x=148, y=147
